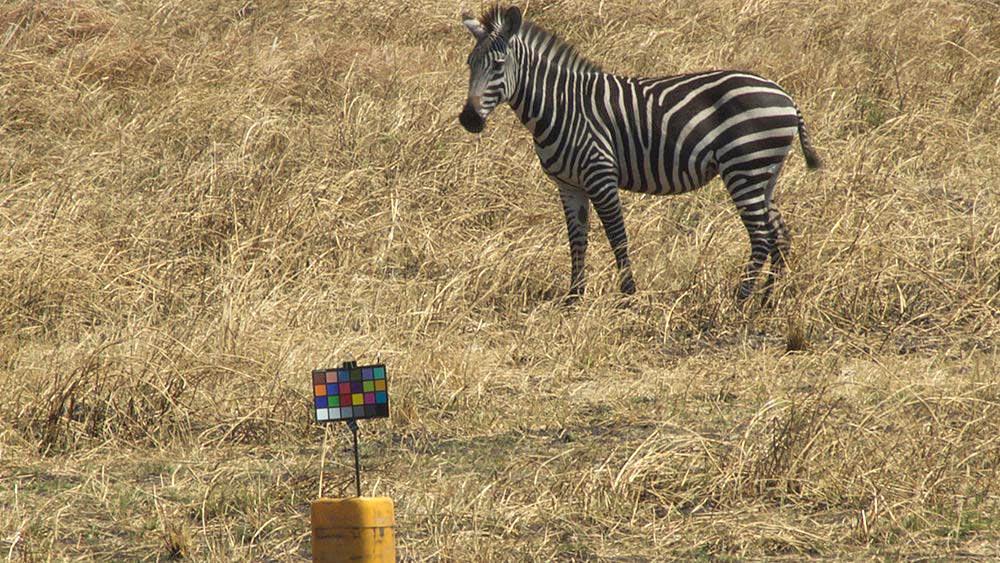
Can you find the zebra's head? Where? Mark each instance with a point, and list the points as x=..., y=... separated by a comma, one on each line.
x=491, y=75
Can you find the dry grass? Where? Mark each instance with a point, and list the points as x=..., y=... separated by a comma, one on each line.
x=200, y=202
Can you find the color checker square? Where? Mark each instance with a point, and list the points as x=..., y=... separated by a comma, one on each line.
x=350, y=393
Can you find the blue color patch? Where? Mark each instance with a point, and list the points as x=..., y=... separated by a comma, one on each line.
x=381, y=397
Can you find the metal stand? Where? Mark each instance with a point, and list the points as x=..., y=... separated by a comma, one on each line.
x=353, y=425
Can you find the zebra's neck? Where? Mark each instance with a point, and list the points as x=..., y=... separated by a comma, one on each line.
x=547, y=70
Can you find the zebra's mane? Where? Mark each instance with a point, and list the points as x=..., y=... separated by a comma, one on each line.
x=536, y=36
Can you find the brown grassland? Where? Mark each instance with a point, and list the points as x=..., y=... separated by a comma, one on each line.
x=202, y=201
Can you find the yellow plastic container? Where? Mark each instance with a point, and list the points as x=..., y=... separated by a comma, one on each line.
x=353, y=529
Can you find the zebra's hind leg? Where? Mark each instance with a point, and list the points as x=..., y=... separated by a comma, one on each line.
x=780, y=250
x=752, y=203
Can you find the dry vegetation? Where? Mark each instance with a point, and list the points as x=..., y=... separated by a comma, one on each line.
x=202, y=201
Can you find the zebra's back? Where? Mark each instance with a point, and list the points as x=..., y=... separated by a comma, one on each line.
x=674, y=134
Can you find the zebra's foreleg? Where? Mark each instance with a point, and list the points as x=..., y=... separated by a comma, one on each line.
x=576, y=207
x=609, y=209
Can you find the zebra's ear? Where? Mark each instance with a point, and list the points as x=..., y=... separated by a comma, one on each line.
x=472, y=24
x=511, y=21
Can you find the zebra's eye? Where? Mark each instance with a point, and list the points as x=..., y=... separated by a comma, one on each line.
x=497, y=64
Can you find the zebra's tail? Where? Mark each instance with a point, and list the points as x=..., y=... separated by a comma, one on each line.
x=812, y=158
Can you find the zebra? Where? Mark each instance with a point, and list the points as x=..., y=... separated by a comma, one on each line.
x=596, y=133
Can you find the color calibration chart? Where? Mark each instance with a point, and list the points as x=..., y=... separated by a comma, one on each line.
x=350, y=393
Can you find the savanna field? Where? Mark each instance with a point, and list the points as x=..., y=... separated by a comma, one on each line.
x=200, y=202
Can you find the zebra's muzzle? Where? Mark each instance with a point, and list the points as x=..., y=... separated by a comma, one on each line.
x=471, y=120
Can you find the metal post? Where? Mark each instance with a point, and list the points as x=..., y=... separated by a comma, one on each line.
x=353, y=425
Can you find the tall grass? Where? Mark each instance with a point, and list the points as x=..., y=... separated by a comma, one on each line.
x=202, y=201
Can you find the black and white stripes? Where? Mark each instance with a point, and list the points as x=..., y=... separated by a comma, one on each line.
x=595, y=133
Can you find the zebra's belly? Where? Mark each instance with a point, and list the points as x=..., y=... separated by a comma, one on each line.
x=658, y=176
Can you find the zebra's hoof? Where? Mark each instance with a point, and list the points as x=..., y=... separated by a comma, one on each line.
x=628, y=286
